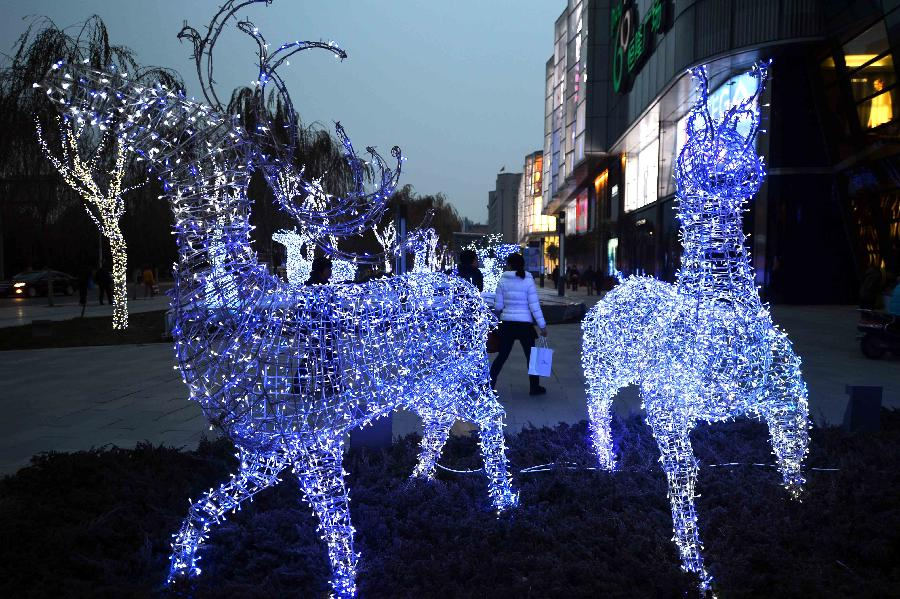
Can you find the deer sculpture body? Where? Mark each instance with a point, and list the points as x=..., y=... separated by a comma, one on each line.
x=704, y=348
x=286, y=372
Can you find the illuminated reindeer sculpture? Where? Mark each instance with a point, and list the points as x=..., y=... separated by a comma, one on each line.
x=704, y=348
x=287, y=372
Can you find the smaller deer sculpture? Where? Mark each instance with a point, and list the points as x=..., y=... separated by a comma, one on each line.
x=704, y=348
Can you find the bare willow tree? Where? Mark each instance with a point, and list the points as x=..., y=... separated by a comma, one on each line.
x=81, y=164
x=29, y=200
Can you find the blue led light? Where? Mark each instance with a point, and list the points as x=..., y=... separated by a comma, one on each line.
x=704, y=348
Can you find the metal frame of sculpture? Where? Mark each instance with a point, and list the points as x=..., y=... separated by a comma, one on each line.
x=704, y=348
x=286, y=372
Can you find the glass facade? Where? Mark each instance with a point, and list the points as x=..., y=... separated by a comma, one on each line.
x=565, y=108
x=532, y=221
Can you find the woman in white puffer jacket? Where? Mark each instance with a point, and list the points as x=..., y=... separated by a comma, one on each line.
x=517, y=302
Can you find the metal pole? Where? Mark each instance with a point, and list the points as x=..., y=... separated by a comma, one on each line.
x=561, y=232
x=400, y=261
x=2, y=271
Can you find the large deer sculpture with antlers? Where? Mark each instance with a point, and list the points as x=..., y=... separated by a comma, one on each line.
x=286, y=372
x=704, y=348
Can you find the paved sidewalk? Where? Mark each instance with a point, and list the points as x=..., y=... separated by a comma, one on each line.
x=78, y=398
x=21, y=311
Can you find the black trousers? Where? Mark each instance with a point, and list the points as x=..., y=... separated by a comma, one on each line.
x=105, y=290
x=509, y=332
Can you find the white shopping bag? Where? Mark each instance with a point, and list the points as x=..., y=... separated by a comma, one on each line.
x=541, y=361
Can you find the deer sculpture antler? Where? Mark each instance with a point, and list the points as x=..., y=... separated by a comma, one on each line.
x=326, y=217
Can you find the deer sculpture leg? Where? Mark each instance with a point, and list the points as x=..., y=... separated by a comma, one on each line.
x=605, y=374
x=318, y=466
x=489, y=418
x=600, y=400
x=787, y=415
x=437, y=431
x=257, y=472
x=672, y=434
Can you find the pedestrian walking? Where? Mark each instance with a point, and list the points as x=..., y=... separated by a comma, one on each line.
x=468, y=269
x=149, y=282
x=84, y=281
x=104, y=283
x=572, y=277
x=588, y=277
x=517, y=302
x=555, y=276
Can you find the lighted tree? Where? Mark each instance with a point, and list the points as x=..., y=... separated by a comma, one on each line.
x=103, y=203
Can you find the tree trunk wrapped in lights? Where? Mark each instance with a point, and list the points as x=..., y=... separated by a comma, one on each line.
x=704, y=348
x=105, y=207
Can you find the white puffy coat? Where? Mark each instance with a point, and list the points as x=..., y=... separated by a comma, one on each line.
x=517, y=299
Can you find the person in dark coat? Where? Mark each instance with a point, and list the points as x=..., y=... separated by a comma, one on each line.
x=588, y=278
x=572, y=277
x=104, y=283
x=84, y=280
x=320, y=273
x=468, y=269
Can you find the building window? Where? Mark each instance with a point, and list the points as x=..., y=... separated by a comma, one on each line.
x=870, y=68
x=641, y=177
x=581, y=212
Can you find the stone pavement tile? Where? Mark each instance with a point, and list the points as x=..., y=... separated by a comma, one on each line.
x=20, y=311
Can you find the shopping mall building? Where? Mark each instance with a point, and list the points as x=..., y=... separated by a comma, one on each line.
x=617, y=95
x=536, y=230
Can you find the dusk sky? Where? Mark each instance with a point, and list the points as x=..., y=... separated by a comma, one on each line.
x=457, y=85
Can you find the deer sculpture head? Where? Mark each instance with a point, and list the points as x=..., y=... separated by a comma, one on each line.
x=719, y=159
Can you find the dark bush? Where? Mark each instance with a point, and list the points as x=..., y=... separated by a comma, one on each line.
x=99, y=523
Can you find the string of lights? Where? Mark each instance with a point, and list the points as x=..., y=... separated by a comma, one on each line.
x=105, y=207
x=551, y=466
x=704, y=348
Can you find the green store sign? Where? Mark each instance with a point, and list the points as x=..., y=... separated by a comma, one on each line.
x=633, y=38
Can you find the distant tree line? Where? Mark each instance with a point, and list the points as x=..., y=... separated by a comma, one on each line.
x=43, y=223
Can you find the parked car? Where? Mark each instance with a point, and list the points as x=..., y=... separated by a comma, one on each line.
x=32, y=284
